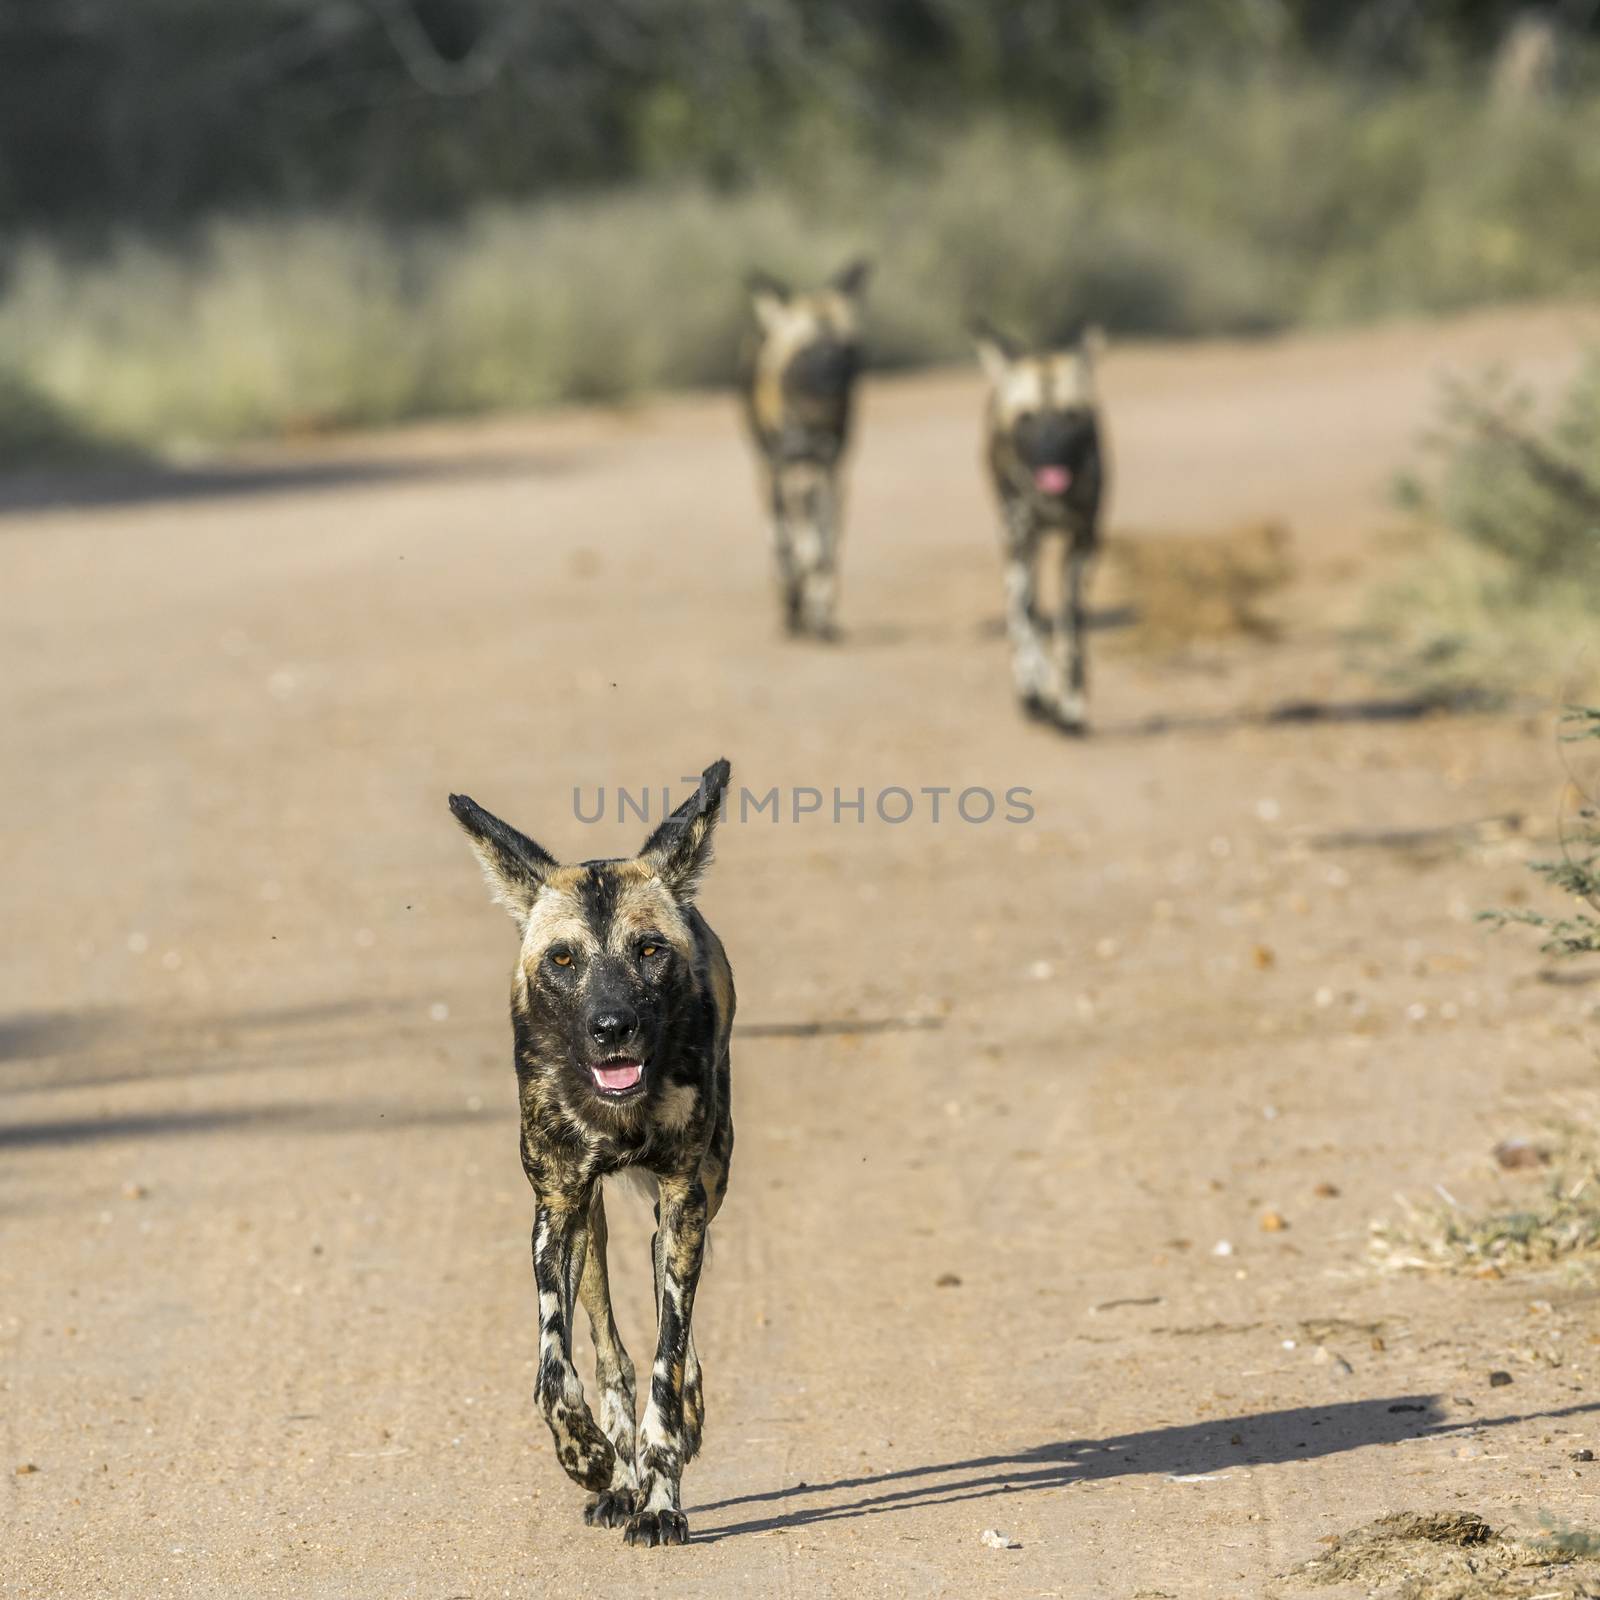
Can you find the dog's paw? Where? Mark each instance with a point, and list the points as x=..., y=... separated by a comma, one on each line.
x=650, y=1528
x=608, y=1510
x=1070, y=719
x=1037, y=709
x=1072, y=715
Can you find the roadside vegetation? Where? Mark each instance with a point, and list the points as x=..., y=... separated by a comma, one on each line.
x=1198, y=170
x=1555, y=1218
x=1501, y=596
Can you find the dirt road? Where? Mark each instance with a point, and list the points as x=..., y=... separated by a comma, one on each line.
x=1012, y=1099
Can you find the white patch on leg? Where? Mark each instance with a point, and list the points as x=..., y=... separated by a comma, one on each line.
x=807, y=548
x=819, y=599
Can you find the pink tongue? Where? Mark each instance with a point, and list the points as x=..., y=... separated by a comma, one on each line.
x=619, y=1075
x=1052, y=480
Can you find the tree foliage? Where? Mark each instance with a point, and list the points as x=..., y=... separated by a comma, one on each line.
x=158, y=111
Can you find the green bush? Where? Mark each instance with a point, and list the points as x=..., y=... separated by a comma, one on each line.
x=1503, y=595
x=35, y=430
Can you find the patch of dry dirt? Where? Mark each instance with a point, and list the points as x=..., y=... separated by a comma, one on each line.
x=1451, y=1555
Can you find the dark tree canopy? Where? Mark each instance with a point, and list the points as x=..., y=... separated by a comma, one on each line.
x=159, y=111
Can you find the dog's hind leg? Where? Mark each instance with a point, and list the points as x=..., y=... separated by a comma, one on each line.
x=678, y=1249
x=560, y=1240
x=614, y=1376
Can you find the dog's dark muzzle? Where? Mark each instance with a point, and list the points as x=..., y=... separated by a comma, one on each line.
x=817, y=387
x=1055, y=448
x=822, y=372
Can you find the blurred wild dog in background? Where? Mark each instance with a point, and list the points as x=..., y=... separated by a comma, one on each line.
x=621, y=1008
x=1046, y=456
x=800, y=374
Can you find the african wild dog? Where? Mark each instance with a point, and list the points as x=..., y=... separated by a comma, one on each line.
x=799, y=386
x=1045, y=455
x=621, y=1007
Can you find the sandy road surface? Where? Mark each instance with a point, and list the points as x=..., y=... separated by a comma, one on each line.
x=266, y=1319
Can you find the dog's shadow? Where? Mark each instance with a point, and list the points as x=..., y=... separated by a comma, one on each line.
x=1300, y=713
x=1215, y=1447
x=889, y=635
x=1098, y=619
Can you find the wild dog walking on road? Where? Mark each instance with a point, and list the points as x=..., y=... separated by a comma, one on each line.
x=1045, y=454
x=800, y=377
x=621, y=1007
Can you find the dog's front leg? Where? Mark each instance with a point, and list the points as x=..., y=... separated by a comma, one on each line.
x=1030, y=666
x=1072, y=667
x=789, y=579
x=560, y=1238
x=821, y=582
x=663, y=1444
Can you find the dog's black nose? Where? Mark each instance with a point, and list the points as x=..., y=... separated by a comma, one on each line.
x=613, y=1025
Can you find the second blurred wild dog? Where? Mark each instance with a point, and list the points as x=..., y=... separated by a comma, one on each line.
x=1045, y=454
x=799, y=389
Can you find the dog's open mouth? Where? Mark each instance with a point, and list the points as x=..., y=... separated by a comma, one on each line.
x=617, y=1077
x=1052, y=480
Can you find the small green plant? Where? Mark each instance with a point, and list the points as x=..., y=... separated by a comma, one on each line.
x=1560, y=1223
x=1577, y=873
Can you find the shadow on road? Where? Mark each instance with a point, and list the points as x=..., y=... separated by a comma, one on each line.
x=45, y=1051
x=1217, y=1446
x=305, y=1117
x=1296, y=713
x=833, y=1027
x=119, y=1044
x=1099, y=619
x=148, y=483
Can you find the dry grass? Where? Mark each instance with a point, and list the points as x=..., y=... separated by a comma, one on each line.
x=1500, y=594
x=1455, y=1555
x=1558, y=1222
x=1190, y=588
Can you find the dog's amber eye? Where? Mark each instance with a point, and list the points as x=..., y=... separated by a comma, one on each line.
x=562, y=958
x=649, y=949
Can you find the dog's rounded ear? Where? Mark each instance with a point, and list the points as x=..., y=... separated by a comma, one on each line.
x=679, y=851
x=851, y=279
x=514, y=866
x=996, y=350
x=768, y=296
